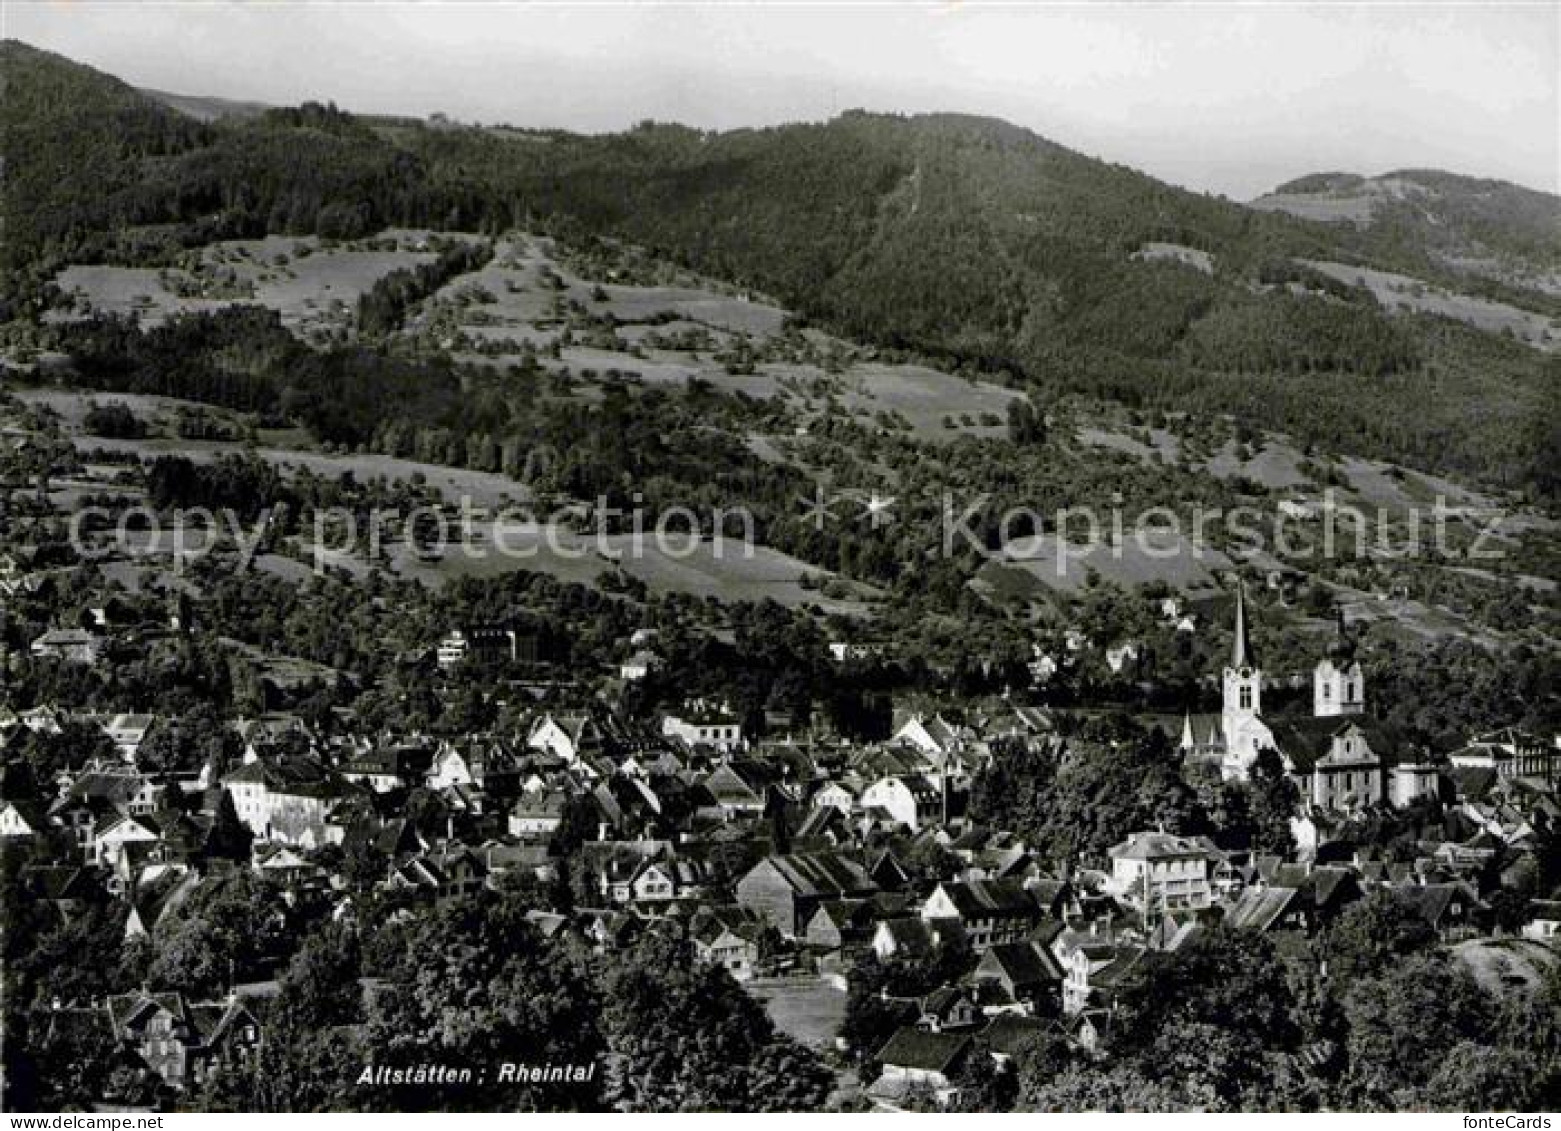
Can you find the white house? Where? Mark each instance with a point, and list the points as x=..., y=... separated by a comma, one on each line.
x=1153, y=871
x=112, y=834
x=836, y=795
x=287, y=802
x=704, y=727
x=449, y=768
x=935, y=736
x=536, y=814
x=911, y=800
x=569, y=737
x=14, y=823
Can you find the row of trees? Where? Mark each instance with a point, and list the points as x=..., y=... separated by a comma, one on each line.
x=1371, y=1016
x=472, y=984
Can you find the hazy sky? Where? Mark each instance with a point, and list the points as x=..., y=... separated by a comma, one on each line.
x=1226, y=97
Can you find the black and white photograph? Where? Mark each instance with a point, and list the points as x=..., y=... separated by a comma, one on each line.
x=821, y=558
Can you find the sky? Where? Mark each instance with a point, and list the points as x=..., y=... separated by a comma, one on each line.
x=1230, y=97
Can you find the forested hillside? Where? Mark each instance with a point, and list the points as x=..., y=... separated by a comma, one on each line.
x=968, y=240
x=1462, y=218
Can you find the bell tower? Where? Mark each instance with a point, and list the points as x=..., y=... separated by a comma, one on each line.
x=1243, y=695
x=1338, y=683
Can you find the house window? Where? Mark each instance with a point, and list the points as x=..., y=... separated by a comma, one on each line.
x=1246, y=698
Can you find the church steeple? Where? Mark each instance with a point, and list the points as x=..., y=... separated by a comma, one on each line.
x=1341, y=649
x=1241, y=720
x=1241, y=652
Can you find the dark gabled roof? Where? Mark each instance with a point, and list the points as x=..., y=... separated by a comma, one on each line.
x=1127, y=958
x=1258, y=909
x=1472, y=782
x=1172, y=934
x=1432, y=900
x=1310, y=732
x=739, y=781
x=973, y=839
x=1332, y=885
x=394, y=837
x=294, y=777
x=919, y=785
x=892, y=904
x=918, y=936
x=129, y=1011
x=196, y=1023
x=1045, y=932
x=942, y=1001
x=115, y=787
x=826, y=874
x=1049, y=892
x=1005, y=861
x=982, y=898
x=710, y=931
x=730, y=916
x=929, y=1052
x=547, y=923
x=1099, y=1020
x=908, y=930
x=1158, y=845
x=846, y=913
x=819, y=820
x=61, y=881
x=212, y=1021
x=1024, y=964
x=540, y=804
x=33, y=815
x=1008, y=1033
x=1306, y=741
x=1289, y=875
x=887, y=871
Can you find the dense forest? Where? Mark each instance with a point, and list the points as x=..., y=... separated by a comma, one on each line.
x=968, y=240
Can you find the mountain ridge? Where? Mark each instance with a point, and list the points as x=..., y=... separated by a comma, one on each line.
x=969, y=240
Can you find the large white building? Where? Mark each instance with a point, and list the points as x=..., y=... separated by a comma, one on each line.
x=1158, y=872
x=1337, y=759
x=704, y=726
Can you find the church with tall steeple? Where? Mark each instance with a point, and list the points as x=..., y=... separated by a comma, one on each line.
x=1242, y=730
x=1335, y=755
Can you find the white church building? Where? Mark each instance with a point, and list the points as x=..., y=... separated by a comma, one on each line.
x=1338, y=759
